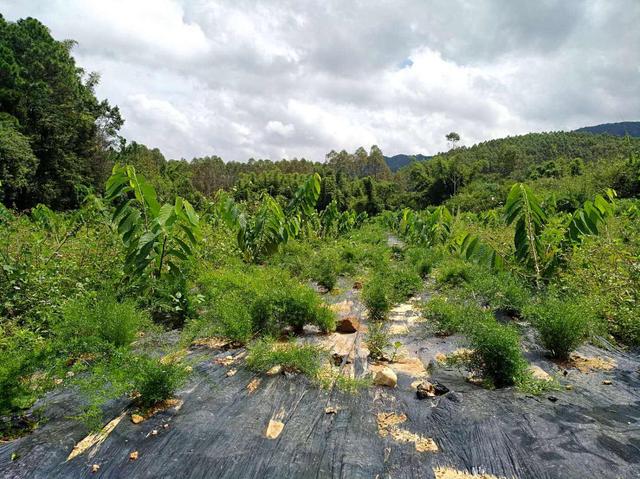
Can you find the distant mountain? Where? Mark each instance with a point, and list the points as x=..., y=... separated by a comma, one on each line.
x=631, y=128
x=398, y=161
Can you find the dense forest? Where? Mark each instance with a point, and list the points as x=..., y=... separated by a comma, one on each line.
x=116, y=263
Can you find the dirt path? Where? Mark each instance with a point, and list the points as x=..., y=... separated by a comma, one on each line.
x=220, y=428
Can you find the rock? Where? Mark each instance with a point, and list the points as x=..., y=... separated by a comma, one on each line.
x=137, y=418
x=357, y=285
x=337, y=359
x=348, y=325
x=231, y=372
x=607, y=382
x=427, y=389
x=275, y=370
x=330, y=410
x=385, y=377
x=95, y=468
x=538, y=373
x=569, y=387
x=274, y=428
x=134, y=456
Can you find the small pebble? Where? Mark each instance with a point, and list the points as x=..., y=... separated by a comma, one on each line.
x=606, y=382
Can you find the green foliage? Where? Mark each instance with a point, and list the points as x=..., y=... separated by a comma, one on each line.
x=524, y=209
x=17, y=164
x=259, y=301
x=377, y=339
x=155, y=381
x=261, y=234
x=453, y=272
x=562, y=324
x=452, y=316
x=496, y=353
x=375, y=296
x=425, y=227
x=93, y=325
x=48, y=100
x=22, y=355
x=403, y=281
x=501, y=290
x=158, y=239
x=324, y=268
x=303, y=358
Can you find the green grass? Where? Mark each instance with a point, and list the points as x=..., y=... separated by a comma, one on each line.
x=562, y=324
x=497, y=356
x=375, y=295
x=450, y=316
x=303, y=358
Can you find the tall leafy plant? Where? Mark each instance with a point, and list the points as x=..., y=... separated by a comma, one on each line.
x=261, y=233
x=158, y=239
x=523, y=209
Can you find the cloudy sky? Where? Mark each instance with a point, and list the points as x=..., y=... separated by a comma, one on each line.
x=274, y=79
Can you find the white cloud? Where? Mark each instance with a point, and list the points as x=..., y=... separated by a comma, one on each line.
x=279, y=128
x=252, y=78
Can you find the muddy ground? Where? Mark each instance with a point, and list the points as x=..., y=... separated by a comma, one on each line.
x=231, y=423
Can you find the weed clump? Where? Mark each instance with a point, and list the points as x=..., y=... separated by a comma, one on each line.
x=453, y=272
x=377, y=339
x=155, y=381
x=450, y=317
x=241, y=304
x=324, y=269
x=303, y=358
x=501, y=290
x=92, y=325
x=562, y=324
x=375, y=295
x=497, y=356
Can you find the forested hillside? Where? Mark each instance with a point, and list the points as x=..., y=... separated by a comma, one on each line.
x=623, y=128
x=478, y=310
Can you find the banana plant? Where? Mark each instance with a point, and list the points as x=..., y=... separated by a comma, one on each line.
x=333, y=222
x=426, y=227
x=158, y=239
x=262, y=233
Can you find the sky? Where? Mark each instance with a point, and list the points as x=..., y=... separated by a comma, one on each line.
x=281, y=79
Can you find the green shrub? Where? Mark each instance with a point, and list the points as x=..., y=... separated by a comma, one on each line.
x=423, y=259
x=453, y=272
x=403, y=282
x=375, y=296
x=156, y=381
x=90, y=325
x=562, y=324
x=452, y=317
x=324, y=268
x=501, y=290
x=21, y=353
x=304, y=358
x=377, y=339
x=496, y=353
x=229, y=317
x=257, y=301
